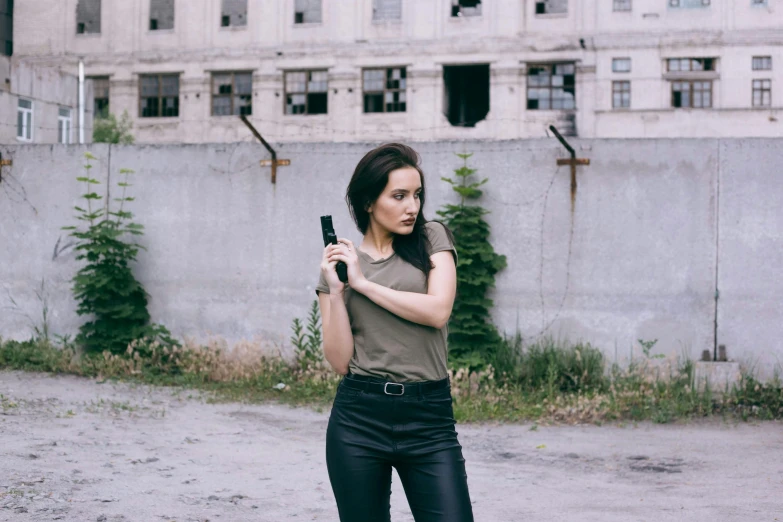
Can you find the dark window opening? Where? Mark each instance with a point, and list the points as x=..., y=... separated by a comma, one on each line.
x=100, y=96
x=306, y=92
x=7, y=27
x=466, y=94
x=88, y=17
x=232, y=94
x=551, y=86
x=465, y=7
x=384, y=90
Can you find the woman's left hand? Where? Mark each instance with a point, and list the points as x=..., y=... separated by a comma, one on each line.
x=345, y=251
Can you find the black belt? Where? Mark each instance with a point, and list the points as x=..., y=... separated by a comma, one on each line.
x=373, y=385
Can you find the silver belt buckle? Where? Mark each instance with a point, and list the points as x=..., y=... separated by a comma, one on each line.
x=402, y=388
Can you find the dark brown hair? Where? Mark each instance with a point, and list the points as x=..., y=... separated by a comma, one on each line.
x=369, y=179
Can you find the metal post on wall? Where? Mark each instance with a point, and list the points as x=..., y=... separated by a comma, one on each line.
x=274, y=162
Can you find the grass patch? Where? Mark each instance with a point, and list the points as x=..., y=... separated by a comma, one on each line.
x=546, y=382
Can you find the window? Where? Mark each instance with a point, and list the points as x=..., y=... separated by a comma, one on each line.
x=386, y=10
x=24, y=120
x=466, y=94
x=161, y=14
x=384, y=90
x=551, y=7
x=159, y=95
x=762, y=93
x=621, y=65
x=689, y=3
x=694, y=94
x=232, y=93
x=551, y=86
x=100, y=89
x=622, y=5
x=233, y=13
x=690, y=64
x=7, y=28
x=762, y=63
x=64, y=125
x=465, y=8
x=621, y=95
x=307, y=11
x=88, y=17
x=758, y=2
x=306, y=92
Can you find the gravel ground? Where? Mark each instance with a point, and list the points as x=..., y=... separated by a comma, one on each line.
x=76, y=449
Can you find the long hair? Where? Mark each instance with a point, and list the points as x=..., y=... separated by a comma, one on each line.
x=369, y=179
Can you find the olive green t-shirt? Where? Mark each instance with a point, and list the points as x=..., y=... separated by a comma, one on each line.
x=386, y=345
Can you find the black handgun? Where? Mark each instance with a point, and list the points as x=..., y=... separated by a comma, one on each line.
x=330, y=238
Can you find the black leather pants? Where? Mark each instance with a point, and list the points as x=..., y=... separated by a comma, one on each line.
x=369, y=433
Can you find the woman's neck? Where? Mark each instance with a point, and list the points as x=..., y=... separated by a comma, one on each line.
x=379, y=241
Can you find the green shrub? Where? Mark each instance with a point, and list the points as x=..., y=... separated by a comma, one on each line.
x=473, y=339
x=105, y=288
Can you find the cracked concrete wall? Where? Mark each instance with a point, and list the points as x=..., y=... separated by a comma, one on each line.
x=655, y=224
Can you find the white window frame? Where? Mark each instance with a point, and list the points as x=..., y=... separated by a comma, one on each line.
x=27, y=117
x=64, y=125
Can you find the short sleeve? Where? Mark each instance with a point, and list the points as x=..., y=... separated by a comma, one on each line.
x=439, y=239
x=322, y=285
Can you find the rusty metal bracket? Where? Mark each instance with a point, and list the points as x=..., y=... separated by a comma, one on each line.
x=4, y=163
x=274, y=162
x=573, y=161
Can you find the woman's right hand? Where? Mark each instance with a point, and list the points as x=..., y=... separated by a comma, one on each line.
x=330, y=272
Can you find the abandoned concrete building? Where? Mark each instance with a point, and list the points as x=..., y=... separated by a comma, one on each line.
x=345, y=70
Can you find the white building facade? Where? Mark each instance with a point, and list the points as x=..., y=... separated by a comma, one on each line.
x=345, y=70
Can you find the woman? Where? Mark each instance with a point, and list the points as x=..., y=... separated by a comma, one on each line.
x=385, y=330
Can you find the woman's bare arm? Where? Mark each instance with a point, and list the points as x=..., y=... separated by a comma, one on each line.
x=430, y=309
x=338, y=338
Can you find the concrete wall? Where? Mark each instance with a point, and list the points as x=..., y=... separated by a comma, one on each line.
x=655, y=224
x=508, y=35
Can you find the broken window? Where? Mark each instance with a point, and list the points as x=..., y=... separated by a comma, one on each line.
x=24, y=120
x=306, y=92
x=386, y=9
x=64, y=125
x=690, y=64
x=762, y=93
x=466, y=94
x=551, y=86
x=232, y=94
x=693, y=94
x=307, y=11
x=100, y=99
x=159, y=95
x=88, y=16
x=465, y=7
x=622, y=5
x=161, y=14
x=233, y=13
x=551, y=6
x=621, y=95
x=384, y=90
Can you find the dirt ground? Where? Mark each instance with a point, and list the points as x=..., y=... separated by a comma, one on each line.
x=76, y=449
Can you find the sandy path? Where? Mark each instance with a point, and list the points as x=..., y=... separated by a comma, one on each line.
x=73, y=449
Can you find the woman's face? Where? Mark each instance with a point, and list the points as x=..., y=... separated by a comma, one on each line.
x=398, y=202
